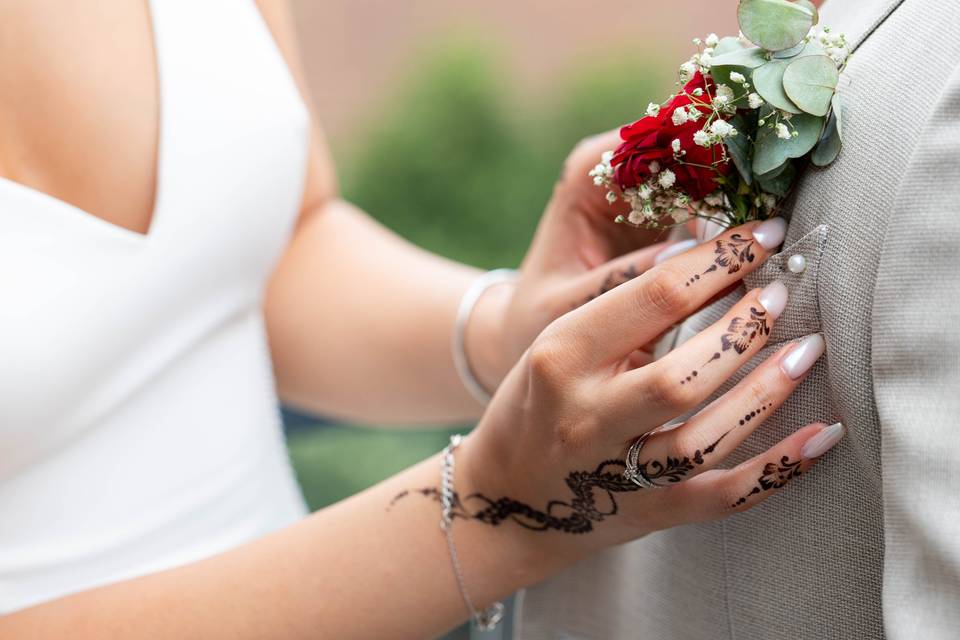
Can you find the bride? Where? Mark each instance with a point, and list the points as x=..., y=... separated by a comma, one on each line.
x=175, y=257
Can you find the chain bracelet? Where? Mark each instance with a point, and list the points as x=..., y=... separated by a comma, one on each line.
x=487, y=619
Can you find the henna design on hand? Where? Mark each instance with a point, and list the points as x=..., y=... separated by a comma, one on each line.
x=739, y=336
x=732, y=253
x=612, y=281
x=593, y=496
x=774, y=476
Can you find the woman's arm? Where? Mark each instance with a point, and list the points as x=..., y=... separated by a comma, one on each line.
x=539, y=484
x=355, y=312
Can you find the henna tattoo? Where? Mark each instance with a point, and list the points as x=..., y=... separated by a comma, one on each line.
x=612, y=281
x=593, y=496
x=753, y=414
x=732, y=254
x=676, y=469
x=774, y=476
x=739, y=336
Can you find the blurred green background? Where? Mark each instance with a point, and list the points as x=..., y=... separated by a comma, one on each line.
x=454, y=161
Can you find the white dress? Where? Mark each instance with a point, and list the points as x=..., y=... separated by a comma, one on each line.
x=139, y=427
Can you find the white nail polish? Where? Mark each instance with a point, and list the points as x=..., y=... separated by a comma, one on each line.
x=773, y=298
x=802, y=356
x=823, y=441
x=675, y=250
x=770, y=233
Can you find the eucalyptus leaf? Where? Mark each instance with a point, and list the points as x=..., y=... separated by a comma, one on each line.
x=770, y=152
x=726, y=45
x=768, y=81
x=811, y=48
x=750, y=58
x=778, y=182
x=810, y=82
x=739, y=148
x=776, y=24
x=837, y=109
x=792, y=51
x=828, y=148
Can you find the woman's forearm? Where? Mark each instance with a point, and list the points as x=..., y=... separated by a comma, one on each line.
x=359, y=569
x=360, y=324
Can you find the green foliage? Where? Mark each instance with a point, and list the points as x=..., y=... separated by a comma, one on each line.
x=458, y=164
x=810, y=82
x=776, y=24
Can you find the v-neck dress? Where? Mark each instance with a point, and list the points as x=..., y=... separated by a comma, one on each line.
x=139, y=426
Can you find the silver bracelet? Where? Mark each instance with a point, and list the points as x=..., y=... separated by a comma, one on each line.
x=487, y=619
x=467, y=303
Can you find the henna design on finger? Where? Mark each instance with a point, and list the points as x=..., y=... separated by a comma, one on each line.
x=612, y=281
x=731, y=253
x=739, y=336
x=774, y=476
x=676, y=469
x=593, y=496
x=753, y=414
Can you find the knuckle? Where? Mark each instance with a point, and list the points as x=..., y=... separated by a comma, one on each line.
x=665, y=390
x=730, y=499
x=545, y=359
x=663, y=291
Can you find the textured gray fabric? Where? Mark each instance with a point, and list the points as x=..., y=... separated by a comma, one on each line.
x=916, y=373
x=809, y=563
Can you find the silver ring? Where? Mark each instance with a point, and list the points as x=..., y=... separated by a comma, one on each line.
x=633, y=472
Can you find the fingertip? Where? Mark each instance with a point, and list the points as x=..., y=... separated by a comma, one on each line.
x=825, y=438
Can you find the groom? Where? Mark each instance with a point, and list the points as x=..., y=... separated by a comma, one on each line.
x=869, y=546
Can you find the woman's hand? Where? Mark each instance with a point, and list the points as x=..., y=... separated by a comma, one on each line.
x=578, y=253
x=547, y=460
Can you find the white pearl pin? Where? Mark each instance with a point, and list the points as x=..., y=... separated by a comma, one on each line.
x=797, y=264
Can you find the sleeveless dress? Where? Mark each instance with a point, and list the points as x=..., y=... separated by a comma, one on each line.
x=139, y=427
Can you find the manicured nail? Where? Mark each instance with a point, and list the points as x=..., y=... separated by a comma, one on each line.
x=823, y=441
x=770, y=233
x=675, y=250
x=773, y=297
x=799, y=360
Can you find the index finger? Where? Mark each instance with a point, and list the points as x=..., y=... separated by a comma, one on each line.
x=636, y=312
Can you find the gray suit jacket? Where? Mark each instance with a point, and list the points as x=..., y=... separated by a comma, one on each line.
x=867, y=545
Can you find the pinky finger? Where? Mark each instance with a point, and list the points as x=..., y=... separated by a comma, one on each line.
x=718, y=493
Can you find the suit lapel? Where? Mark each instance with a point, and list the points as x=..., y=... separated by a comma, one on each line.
x=858, y=19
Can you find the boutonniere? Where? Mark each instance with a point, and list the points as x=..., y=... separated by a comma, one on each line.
x=750, y=112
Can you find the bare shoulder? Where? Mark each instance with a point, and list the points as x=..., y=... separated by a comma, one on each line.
x=321, y=184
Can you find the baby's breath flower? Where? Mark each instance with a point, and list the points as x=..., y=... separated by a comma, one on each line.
x=724, y=97
x=644, y=192
x=679, y=116
x=680, y=215
x=754, y=101
x=693, y=114
x=667, y=178
x=701, y=138
x=698, y=92
x=737, y=77
x=705, y=59
x=654, y=167
x=687, y=69
x=697, y=41
x=653, y=109
x=769, y=202
x=722, y=129
x=712, y=40
x=782, y=132
x=611, y=197
x=675, y=145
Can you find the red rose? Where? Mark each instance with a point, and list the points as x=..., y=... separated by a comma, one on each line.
x=649, y=139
